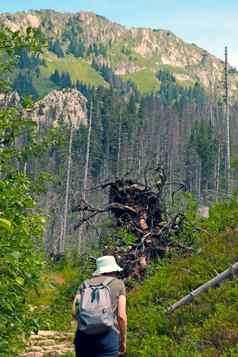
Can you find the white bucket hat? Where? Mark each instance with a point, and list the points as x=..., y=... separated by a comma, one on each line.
x=106, y=264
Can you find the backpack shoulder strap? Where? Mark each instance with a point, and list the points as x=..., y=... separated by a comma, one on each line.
x=108, y=280
x=86, y=284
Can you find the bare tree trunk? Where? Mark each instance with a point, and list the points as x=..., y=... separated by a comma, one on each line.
x=25, y=168
x=228, y=148
x=119, y=146
x=56, y=244
x=85, y=180
x=218, y=170
x=227, y=115
x=229, y=273
x=199, y=179
x=65, y=217
x=170, y=179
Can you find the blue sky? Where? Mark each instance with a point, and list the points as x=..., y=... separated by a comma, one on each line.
x=211, y=24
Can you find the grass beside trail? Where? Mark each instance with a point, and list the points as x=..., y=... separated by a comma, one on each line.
x=209, y=326
x=52, y=302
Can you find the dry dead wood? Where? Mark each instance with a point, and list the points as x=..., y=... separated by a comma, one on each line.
x=139, y=208
x=213, y=283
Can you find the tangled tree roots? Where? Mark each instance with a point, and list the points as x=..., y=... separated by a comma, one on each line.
x=139, y=209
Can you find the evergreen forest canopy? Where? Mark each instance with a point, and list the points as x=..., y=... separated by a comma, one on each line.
x=47, y=169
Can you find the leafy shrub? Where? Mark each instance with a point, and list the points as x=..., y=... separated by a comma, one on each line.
x=55, y=313
x=209, y=326
x=20, y=261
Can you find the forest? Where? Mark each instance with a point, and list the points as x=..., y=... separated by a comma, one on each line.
x=86, y=171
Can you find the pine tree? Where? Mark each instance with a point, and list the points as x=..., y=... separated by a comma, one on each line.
x=54, y=46
x=77, y=48
x=24, y=86
x=55, y=77
x=65, y=80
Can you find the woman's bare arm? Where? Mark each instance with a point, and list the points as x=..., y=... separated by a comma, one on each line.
x=122, y=322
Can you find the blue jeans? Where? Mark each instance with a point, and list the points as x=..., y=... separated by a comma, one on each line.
x=104, y=345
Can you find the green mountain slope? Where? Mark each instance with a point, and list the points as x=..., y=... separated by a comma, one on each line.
x=144, y=80
x=76, y=67
x=130, y=53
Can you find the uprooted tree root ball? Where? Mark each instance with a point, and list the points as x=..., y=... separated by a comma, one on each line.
x=139, y=209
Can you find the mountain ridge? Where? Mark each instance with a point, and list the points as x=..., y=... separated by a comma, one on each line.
x=126, y=50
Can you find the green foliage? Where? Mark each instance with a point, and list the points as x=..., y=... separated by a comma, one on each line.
x=77, y=68
x=119, y=237
x=208, y=326
x=73, y=30
x=54, y=46
x=223, y=215
x=173, y=94
x=185, y=203
x=21, y=228
x=31, y=39
x=205, y=145
x=76, y=48
x=11, y=43
x=144, y=80
x=97, y=49
x=62, y=80
x=202, y=149
x=26, y=60
x=125, y=237
x=168, y=87
x=71, y=273
x=23, y=84
x=234, y=166
x=21, y=223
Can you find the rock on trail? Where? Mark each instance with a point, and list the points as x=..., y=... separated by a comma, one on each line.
x=49, y=343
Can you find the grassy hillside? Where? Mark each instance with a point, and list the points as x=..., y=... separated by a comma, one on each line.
x=144, y=80
x=77, y=68
x=44, y=86
x=208, y=326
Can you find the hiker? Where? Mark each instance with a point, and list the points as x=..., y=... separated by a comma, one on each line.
x=100, y=308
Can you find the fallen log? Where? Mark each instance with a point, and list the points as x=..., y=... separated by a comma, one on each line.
x=213, y=283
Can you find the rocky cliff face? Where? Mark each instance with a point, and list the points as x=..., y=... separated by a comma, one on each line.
x=65, y=105
x=9, y=99
x=127, y=51
x=68, y=105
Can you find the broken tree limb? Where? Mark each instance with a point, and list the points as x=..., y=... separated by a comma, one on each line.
x=229, y=273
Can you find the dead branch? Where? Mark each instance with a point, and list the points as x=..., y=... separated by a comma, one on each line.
x=138, y=208
x=213, y=283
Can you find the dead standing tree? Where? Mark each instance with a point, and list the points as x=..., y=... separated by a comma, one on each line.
x=137, y=207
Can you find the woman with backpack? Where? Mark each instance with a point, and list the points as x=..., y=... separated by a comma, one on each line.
x=100, y=308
